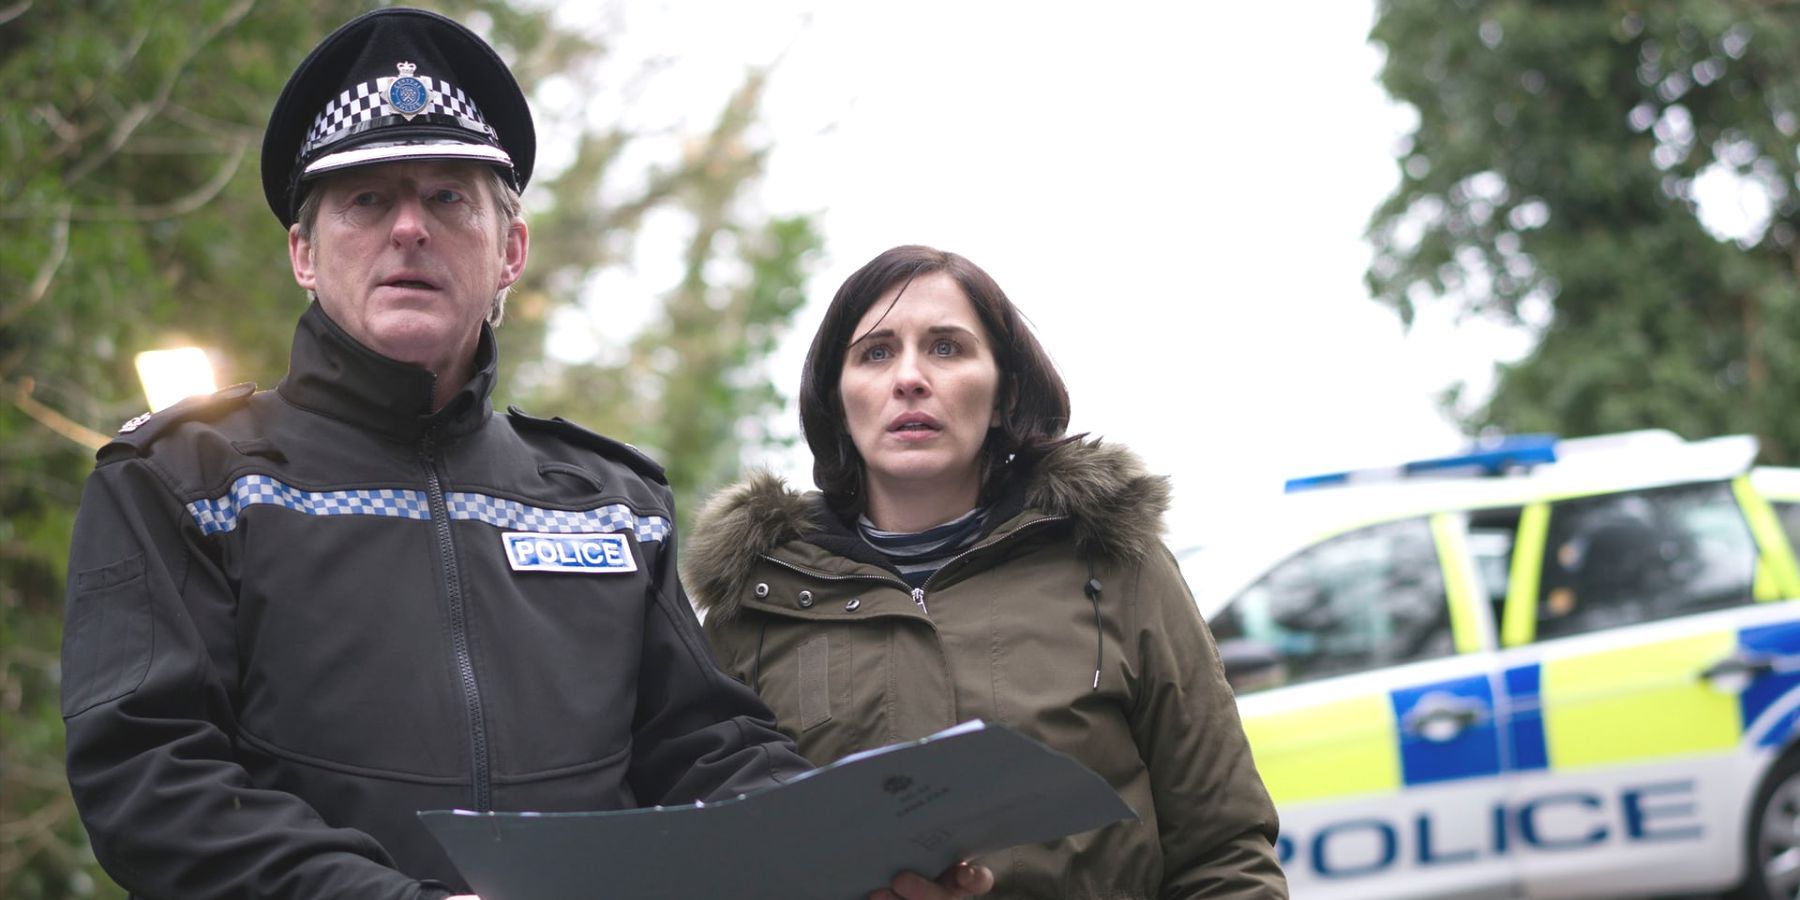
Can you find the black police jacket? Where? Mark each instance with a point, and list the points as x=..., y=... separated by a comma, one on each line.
x=298, y=617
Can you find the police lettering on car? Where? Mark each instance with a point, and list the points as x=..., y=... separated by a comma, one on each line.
x=1543, y=667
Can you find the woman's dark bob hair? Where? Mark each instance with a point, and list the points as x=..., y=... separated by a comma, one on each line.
x=1034, y=404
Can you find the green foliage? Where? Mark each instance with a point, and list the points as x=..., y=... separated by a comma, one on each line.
x=1550, y=183
x=132, y=217
x=696, y=390
x=129, y=202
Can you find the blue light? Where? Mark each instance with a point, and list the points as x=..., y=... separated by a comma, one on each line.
x=1489, y=458
x=1336, y=479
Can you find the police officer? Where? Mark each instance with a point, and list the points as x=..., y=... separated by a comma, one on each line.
x=296, y=617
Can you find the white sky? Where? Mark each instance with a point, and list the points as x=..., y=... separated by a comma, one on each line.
x=1174, y=193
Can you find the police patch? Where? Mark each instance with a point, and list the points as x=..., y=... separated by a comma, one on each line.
x=587, y=554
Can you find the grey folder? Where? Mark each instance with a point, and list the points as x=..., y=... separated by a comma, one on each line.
x=837, y=832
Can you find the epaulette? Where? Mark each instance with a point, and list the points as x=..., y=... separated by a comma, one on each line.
x=623, y=452
x=139, y=432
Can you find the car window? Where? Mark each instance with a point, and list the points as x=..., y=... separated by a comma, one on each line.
x=1362, y=600
x=1789, y=511
x=1492, y=552
x=1639, y=556
x=1492, y=534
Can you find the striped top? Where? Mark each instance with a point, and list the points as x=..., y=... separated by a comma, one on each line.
x=919, y=554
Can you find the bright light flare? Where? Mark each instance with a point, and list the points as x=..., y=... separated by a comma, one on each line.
x=171, y=375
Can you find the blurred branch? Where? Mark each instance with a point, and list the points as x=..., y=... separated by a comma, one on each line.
x=40, y=283
x=175, y=146
x=68, y=134
x=25, y=838
x=51, y=419
x=48, y=778
x=14, y=11
x=24, y=654
x=143, y=112
x=38, y=822
x=179, y=206
x=72, y=136
x=212, y=127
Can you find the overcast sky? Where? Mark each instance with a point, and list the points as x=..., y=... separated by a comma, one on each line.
x=1174, y=193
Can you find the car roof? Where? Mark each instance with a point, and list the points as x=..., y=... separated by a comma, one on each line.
x=1777, y=482
x=1267, y=534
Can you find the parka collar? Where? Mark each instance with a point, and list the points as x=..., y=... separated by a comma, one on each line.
x=1115, y=509
x=331, y=373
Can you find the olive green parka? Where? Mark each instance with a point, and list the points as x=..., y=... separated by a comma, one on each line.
x=1068, y=621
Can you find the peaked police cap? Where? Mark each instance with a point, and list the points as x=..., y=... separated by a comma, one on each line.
x=390, y=85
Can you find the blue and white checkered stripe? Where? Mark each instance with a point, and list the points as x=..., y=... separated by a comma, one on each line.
x=221, y=515
x=516, y=516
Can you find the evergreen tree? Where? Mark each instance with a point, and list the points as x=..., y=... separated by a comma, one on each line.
x=132, y=217
x=1551, y=183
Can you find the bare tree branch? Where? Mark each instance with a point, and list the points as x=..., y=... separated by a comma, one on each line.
x=21, y=840
x=42, y=820
x=40, y=283
x=44, y=660
x=68, y=135
x=143, y=112
x=210, y=126
x=71, y=136
x=51, y=419
x=179, y=206
x=7, y=14
x=44, y=777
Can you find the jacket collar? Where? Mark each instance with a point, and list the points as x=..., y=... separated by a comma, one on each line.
x=331, y=373
x=1115, y=508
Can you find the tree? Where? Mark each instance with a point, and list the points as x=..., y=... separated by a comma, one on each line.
x=131, y=216
x=691, y=389
x=1554, y=182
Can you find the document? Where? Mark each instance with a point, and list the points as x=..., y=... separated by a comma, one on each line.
x=835, y=833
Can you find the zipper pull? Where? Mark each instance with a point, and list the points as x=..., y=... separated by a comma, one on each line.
x=919, y=598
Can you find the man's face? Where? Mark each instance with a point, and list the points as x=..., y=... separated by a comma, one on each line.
x=407, y=258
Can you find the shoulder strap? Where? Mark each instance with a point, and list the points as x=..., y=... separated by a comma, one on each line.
x=139, y=433
x=575, y=434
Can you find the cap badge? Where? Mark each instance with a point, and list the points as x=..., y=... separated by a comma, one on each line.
x=408, y=95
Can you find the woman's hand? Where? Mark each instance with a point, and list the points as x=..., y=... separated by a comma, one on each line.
x=961, y=880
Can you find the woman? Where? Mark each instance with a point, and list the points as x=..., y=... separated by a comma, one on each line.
x=964, y=559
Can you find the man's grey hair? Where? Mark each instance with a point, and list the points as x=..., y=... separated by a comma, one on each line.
x=506, y=203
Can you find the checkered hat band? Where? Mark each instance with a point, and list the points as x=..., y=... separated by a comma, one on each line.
x=368, y=101
x=221, y=515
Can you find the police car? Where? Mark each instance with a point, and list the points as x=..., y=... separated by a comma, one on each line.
x=1544, y=668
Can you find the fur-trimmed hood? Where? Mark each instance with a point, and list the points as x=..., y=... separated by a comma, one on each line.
x=1115, y=507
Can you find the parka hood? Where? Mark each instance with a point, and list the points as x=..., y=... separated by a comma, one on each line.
x=1114, y=505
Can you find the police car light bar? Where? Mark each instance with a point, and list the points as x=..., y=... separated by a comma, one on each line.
x=1498, y=457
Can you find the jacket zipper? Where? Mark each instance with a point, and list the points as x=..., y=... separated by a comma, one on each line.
x=919, y=592
x=459, y=627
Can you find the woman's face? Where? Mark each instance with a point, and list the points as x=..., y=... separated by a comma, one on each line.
x=920, y=394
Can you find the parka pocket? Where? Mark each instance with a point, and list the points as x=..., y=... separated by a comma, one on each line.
x=106, y=640
x=815, y=682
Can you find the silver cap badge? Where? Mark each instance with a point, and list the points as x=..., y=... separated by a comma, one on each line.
x=408, y=95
